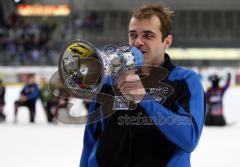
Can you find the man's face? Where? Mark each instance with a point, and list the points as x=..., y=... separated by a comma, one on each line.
x=145, y=35
x=31, y=80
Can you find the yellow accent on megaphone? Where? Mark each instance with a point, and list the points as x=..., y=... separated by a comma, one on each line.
x=80, y=49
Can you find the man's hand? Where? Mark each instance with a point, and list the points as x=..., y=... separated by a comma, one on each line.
x=131, y=87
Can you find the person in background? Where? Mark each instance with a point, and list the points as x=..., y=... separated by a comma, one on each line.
x=62, y=99
x=49, y=101
x=214, y=99
x=2, y=101
x=28, y=97
x=54, y=98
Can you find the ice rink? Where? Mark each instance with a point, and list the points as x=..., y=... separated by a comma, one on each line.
x=44, y=145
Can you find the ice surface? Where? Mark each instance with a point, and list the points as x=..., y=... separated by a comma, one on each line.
x=44, y=145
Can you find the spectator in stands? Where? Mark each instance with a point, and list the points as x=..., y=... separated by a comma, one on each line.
x=2, y=101
x=28, y=98
x=214, y=99
x=27, y=43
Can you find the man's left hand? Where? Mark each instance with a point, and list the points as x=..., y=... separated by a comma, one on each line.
x=131, y=87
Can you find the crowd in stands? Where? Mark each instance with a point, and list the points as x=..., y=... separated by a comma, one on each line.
x=39, y=41
x=31, y=42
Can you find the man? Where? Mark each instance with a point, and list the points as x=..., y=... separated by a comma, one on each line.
x=28, y=98
x=170, y=97
x=214, y=99
x=2, y=101
x=53, y=98
x=49, y=101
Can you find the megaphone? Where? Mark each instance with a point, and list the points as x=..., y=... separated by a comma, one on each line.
x=83, y=68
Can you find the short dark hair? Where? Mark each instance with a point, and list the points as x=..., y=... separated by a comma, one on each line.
x=163, y=12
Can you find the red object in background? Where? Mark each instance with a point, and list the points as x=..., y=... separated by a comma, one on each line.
x=43, y=10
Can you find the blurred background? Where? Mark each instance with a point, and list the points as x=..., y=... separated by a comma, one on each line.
x=33, y=34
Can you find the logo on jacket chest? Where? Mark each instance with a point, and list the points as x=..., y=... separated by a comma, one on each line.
x=161, y=93
x=158, y=94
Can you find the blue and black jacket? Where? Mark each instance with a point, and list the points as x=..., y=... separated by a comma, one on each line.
x=31, y=91
x=161, y=131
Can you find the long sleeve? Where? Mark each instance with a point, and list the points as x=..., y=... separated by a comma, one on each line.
x=183, y=127
x=91, y=134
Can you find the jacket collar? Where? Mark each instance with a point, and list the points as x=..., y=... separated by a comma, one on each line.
x=167, y=64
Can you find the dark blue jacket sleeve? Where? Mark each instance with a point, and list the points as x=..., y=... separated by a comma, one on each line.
x=184, y=127
x=90, y=138
x=34, y=95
